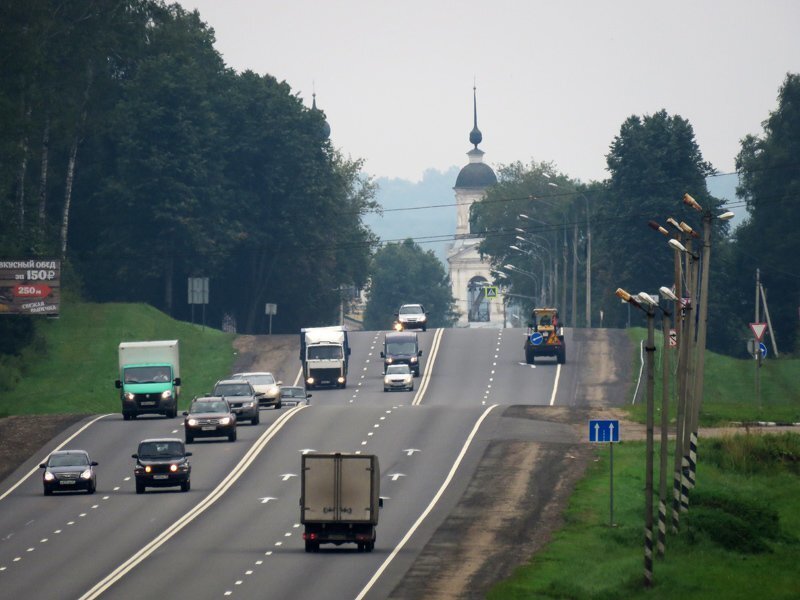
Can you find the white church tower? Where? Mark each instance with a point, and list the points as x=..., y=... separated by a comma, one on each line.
x=469, y=274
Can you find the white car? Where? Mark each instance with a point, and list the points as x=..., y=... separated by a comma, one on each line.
x=263, y=383
x=398, y=377
x=412, y=316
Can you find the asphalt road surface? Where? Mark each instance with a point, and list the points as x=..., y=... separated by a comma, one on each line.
x=237, y=533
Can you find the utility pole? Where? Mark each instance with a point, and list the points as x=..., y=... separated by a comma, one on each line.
x=662, y=471
x=756, y=348
x=588, y=266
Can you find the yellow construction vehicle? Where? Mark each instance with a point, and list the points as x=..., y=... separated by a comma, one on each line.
x=545, y=336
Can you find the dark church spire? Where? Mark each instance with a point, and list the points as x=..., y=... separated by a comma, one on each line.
x=475, y=136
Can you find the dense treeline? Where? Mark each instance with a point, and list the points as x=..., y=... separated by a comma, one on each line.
x=130, y=151
x=653, y=162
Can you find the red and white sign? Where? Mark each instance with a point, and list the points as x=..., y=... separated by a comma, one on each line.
x=758, y=330
x=38, y=290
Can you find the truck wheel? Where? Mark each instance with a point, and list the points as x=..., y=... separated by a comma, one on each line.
x=172, y=413
x=126, y=416
x=370, y=546
x=310, y=546
x=48, y=491
x=139, y=488
x=561, y=357
x=186, y=485
x=529, y=357
x=189, y=439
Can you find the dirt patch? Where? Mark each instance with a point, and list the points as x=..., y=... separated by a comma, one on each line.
x=278, y=354
x=22, y=436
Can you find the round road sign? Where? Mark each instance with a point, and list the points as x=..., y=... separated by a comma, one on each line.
x=536, y=338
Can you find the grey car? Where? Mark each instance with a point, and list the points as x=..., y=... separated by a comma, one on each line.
x=242, y=397
x=69, y=470
x=294, y=394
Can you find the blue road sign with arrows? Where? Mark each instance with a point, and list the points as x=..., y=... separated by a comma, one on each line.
x=603, y=430
x=536, y=338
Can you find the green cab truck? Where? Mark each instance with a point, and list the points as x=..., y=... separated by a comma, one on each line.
x=149, y=378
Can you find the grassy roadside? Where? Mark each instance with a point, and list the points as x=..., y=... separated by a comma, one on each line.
x=73, y=363
x=741, y=536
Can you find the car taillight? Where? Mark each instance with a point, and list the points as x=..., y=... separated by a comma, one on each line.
x=309, y=536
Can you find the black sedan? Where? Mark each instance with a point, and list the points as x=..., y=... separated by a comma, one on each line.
x=209, y=417
x=294, y=394
x=69, y=470
x=162, y=462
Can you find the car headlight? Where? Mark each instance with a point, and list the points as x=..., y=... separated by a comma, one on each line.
x=129, y=396
x=166, y=394
x=87, y=474
x=48, y=476
x=389, y=360
x=423, y=318
x=191, y=422
x=413, y=359
x=310, y=381
x=247, y=405
x=274, y=390
x=173, y=468
x=148, y=468
x=225, y=421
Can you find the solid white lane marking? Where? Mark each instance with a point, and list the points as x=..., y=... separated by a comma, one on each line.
x=396, y=476
x=44, y=458
x=429, y=508
x=555, y=385
x=287, y=476
x=411, y=451
x=426, y=375
x=250, y=456
x=266, y=499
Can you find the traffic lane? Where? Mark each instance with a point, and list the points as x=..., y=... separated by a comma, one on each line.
x=520, y=383
x=467, y=368
x=254, y=535
x=115, y=520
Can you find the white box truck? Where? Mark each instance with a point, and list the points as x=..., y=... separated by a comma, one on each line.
x=340, y=499
x=149, y=378
x=325, y=355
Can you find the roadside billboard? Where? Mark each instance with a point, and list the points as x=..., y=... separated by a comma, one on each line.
x=30, y=286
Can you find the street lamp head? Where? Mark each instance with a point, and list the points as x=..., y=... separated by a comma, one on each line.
x=687, y=199
x=726, y=216
x=509, y=267
x=625, y=296
x=674, y=223
x=645, y=298
x=658, y=228
x=687, y=229
x=667, y=293
x=516, y=249
x=524, y=216
x=676, y=245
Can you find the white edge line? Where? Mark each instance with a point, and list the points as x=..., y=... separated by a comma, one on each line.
x=555, y=386
x=299, y=375
x=641, y=366
x=64, y=443
x=195, y=512
x=433, y=502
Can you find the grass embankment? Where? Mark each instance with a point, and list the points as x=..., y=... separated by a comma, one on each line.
x=72, y=365
x=740, y=538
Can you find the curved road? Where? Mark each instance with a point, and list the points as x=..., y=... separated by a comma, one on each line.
x=237, y=532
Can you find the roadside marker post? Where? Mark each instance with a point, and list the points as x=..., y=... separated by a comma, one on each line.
x=606, y=431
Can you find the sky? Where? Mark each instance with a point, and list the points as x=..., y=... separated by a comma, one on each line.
x=555, y=79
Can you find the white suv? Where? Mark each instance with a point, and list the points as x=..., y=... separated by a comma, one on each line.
x=413, y=316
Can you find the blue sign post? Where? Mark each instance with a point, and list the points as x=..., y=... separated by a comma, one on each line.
x=606, y=431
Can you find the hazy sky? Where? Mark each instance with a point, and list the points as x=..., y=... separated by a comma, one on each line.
x=555, y=79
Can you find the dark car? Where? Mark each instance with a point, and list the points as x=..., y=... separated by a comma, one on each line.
x=209, y=417
x=162, y=462
x=401, y=348
x=294, y=394
x=69, y=470
x=242, y=397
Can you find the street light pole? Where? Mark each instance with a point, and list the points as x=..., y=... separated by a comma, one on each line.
x=588, y=265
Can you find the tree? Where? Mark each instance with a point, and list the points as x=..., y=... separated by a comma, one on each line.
x=769, y=173
x=402, y=273
x=653, y=161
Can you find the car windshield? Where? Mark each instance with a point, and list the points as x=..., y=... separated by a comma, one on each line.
x=325, y=352
x=160, y=449
x=232, y=389
x=394, y=348
x=397, y=370
x=146, y=374
x=411, y=309
x=292, y=392
x=68, y=460
x=263, y=379
x=208, y=407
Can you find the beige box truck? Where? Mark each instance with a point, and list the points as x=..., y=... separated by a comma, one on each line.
x=340, y=499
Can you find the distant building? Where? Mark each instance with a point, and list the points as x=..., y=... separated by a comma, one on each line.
x=469, y=274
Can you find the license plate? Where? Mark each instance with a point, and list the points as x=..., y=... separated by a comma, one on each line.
x=160, y=476
x=208, y=428
x=149, y=403
x=67, y=482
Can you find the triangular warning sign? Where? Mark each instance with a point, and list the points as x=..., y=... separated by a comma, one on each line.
x=758, y=330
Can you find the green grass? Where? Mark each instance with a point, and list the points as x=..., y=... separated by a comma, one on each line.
x=739, y=540
x=729, y=387
x=72, y=365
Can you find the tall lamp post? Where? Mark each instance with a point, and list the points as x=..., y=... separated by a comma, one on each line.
x=645, y=303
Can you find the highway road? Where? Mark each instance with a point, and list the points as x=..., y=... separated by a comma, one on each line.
x=236, y=534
